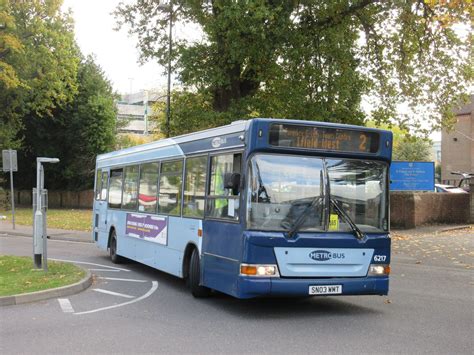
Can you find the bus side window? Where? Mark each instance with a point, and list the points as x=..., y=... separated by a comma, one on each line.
x=195, y=186
x=103, y=191
x=223, y=202
x=98, y=185
x=171, y=176
x=148, y=188
x=115, y=188
x=130, y=188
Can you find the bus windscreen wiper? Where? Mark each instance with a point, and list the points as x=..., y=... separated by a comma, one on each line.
x=358, y=233
x=293, y=228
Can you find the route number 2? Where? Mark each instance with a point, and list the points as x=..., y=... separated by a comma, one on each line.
x=363, y=143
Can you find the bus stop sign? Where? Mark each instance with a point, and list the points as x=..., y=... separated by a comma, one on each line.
x=9, y=160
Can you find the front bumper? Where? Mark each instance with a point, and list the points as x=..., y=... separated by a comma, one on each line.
x=249, y=287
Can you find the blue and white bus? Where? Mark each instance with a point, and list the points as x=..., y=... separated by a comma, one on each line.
x=263, y=207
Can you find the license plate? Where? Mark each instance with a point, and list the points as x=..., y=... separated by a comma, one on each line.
x=325, y=290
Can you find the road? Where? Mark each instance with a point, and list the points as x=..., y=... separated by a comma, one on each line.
x=429, y=310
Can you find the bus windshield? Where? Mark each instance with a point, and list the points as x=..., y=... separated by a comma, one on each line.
x=281, y=189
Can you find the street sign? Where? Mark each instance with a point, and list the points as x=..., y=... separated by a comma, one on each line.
x=10, y=164
x=9, y=160
x=412, y=176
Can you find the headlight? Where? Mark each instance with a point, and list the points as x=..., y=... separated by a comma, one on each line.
x=259, y=270
x=379, y=270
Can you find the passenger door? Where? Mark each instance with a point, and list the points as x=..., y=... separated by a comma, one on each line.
x=100, y=208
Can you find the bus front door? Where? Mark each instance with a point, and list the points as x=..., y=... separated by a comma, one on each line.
x=100, y=213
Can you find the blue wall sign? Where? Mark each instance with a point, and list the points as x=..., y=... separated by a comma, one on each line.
x=412, y=176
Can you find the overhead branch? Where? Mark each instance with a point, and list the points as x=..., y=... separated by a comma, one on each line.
x=349, y=11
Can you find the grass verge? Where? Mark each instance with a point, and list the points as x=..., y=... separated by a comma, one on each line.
x=17, y=275
x=80, y=220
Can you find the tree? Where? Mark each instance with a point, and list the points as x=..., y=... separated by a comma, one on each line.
x=53, y=102
x=311, y=59
x=191, y=112
x=75, y=134
x=9, y=43
x=126, y=140
x=89, y=124
x=406, y=146
x=413, y=149
x=38, y=63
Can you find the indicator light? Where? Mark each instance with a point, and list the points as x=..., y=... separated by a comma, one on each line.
x=259, y=270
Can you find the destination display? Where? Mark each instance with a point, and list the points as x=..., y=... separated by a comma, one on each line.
x=323, y=138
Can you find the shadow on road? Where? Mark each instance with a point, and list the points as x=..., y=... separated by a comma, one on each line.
x=259, y=308
x=279, y=308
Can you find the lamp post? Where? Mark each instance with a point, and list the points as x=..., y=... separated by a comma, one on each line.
x=145, y=114
x=170, y=48
x=168, y=7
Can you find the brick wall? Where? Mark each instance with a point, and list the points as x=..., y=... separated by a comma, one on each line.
x=412, y=209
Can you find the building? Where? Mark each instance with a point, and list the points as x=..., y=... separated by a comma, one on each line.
x=436, y=152
x=133, y=111
x=457, y=145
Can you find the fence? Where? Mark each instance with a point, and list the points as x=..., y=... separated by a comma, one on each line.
x=58, y=199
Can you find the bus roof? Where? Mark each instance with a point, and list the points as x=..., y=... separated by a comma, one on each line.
x=229, y=136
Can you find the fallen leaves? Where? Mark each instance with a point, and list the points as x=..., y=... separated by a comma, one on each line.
x=399, y=237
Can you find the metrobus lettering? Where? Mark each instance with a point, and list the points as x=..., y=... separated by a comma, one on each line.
x=323, y=255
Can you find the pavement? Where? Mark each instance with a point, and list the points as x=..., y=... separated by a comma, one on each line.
x=6, y=228
x=447, y=246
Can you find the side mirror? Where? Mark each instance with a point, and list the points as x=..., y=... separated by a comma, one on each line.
x=232, y=181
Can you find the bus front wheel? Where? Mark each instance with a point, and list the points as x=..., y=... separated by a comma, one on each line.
x=116, y=259
x=194, y=277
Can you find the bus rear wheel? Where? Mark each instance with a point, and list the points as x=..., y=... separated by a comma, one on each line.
x=194, y=277
x=116, y=259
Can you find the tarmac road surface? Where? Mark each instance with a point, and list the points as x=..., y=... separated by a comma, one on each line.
x=136, y=309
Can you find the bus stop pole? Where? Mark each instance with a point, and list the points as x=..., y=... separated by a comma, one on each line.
x=11, y=187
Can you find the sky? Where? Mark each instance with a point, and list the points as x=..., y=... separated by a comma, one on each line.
x=114, y=51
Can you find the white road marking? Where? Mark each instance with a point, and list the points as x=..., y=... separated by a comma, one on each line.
x=108, y=270
x=66, y=306
x=112, y=293
x=118, y=279
x=86, y=263
x=153, y=288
